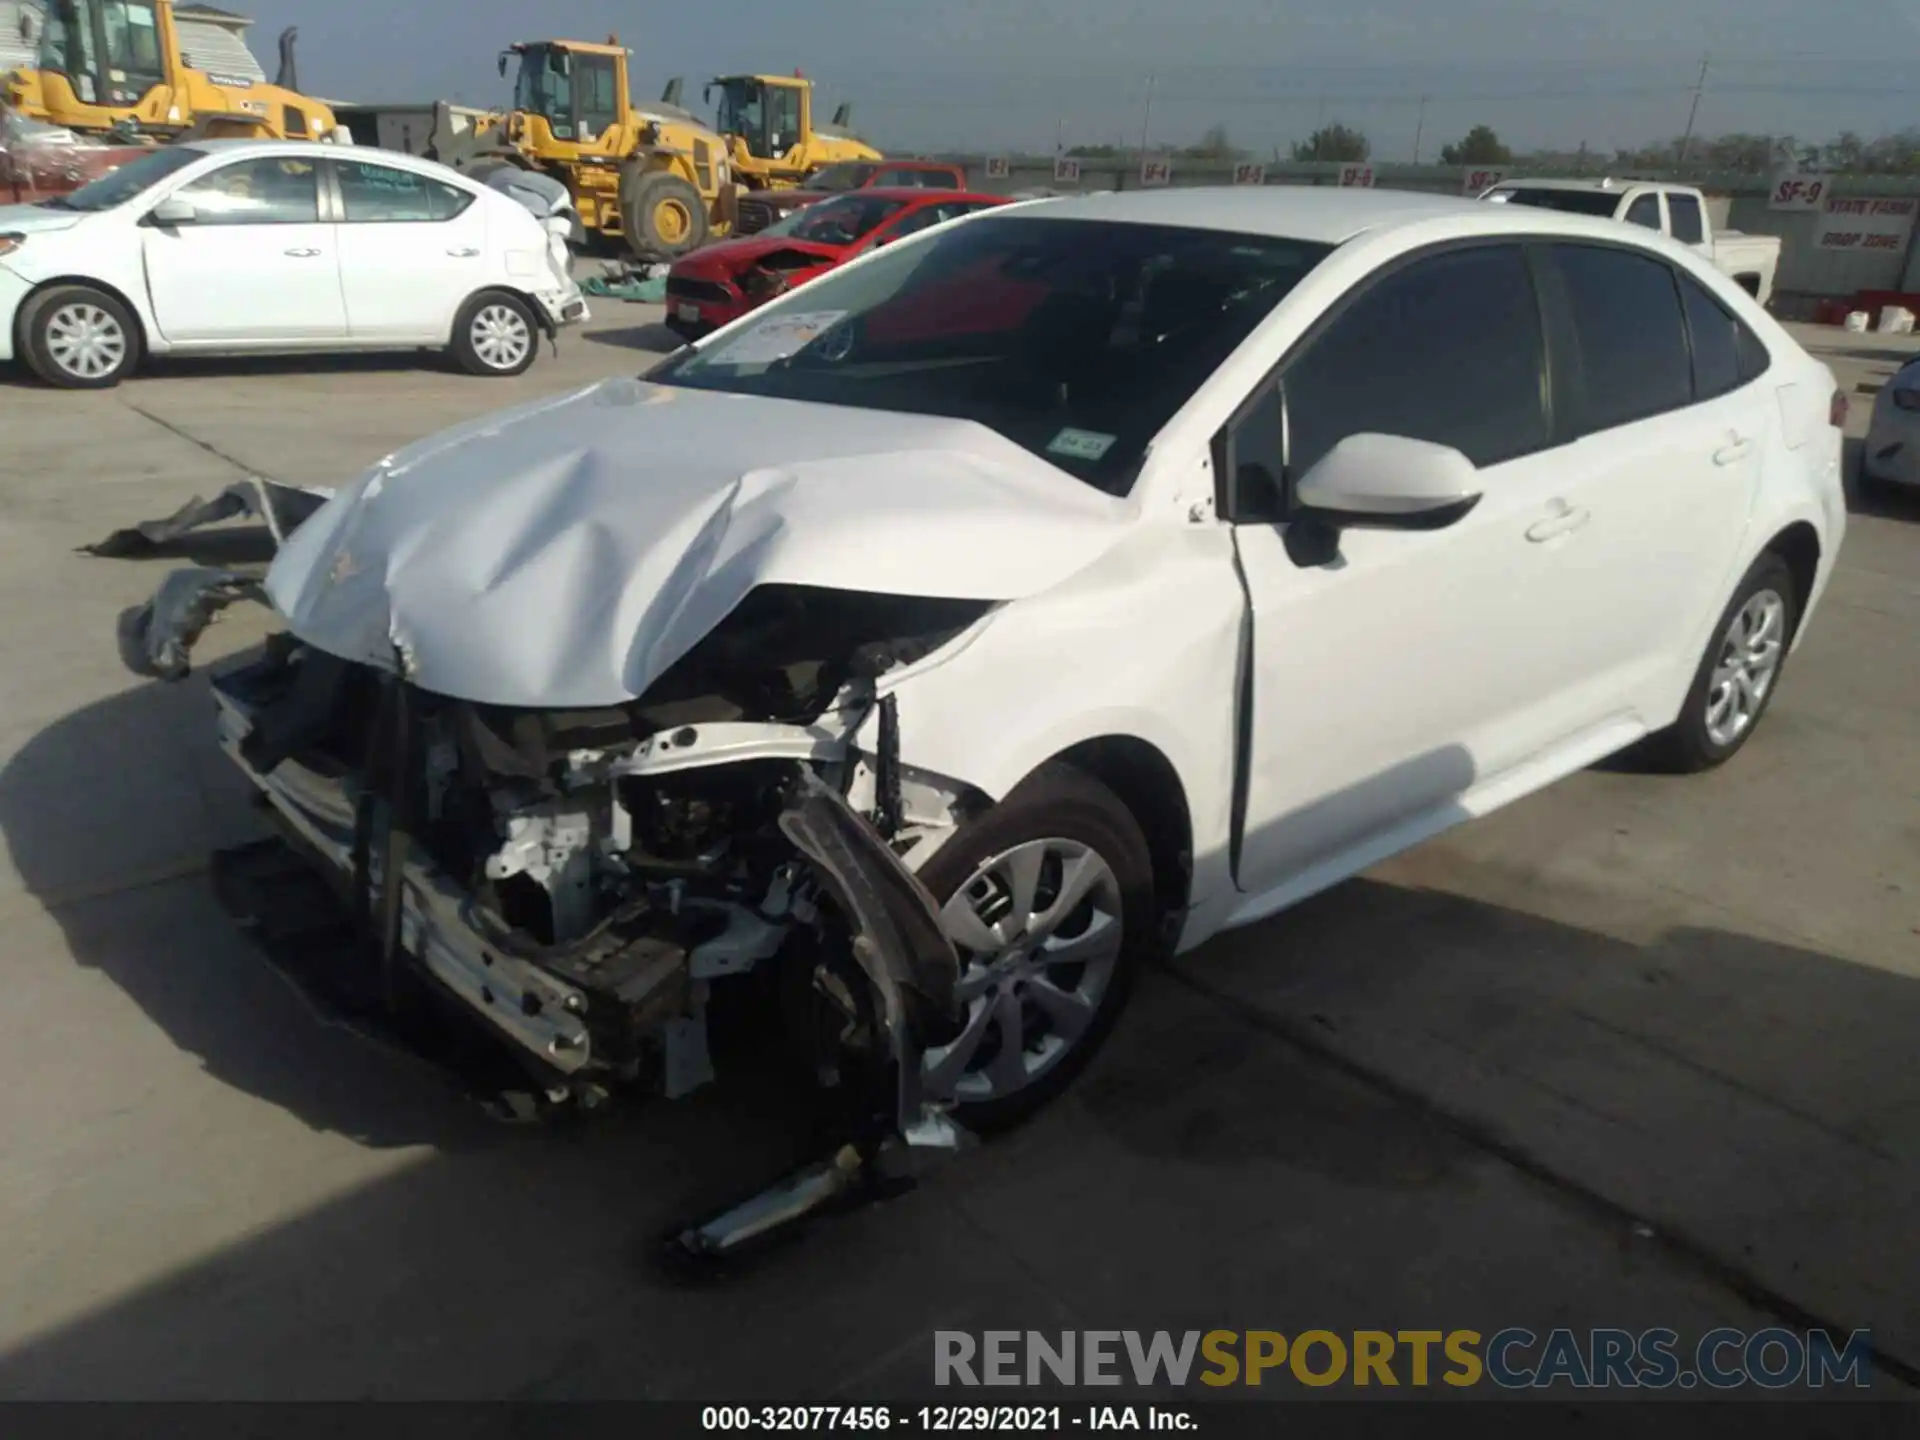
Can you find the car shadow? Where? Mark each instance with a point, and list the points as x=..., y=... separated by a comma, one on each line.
x=654, y=337
x=1386, y=1095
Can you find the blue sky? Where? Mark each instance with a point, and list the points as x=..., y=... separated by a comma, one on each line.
x=991, y=74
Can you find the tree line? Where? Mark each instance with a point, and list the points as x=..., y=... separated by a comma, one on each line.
x=1738, y=153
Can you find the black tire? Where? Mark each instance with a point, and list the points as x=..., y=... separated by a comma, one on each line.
x=494, y=312
x=1058, y=802
x=1687, y=746
x=661, y=213
x=46, y=319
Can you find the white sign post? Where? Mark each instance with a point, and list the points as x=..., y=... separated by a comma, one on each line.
x=1356, y=176
x=1250, y=174
x=1478, y=182
x=998, y=167
x=1797, y=190
x=1066, y=170
x=1156, y=170
x=1862, y=224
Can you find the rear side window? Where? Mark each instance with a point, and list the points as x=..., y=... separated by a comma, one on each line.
x=1446, y=350
x=1632, y=342
x=270, y=190
x=1645, y=211
x=381, y=194
x=1726, y=354
x=1683, y=211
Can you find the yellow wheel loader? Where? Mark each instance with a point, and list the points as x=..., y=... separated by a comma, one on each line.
x=116, y=66
x=771, y=138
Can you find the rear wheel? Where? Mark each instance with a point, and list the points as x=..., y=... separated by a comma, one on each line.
x=79, y=338
x=1738, y=675
x=661, y=213
x=496, y=334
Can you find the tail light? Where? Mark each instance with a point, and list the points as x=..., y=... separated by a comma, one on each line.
x=1837, y=410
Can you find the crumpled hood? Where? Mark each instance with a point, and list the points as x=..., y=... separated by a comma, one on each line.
x=566, y=552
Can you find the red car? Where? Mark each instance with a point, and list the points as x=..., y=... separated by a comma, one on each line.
x=761, y=208
x=723, y=282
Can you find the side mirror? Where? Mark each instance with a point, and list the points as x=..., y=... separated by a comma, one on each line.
x=503, y=64
x=1390, y=482
x=173, y=211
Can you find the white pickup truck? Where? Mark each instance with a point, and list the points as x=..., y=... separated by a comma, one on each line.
x=1676, y=210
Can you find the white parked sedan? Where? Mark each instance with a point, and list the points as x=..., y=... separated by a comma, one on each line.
x=233, y=246
x=1891, y=456
x=1062, y=587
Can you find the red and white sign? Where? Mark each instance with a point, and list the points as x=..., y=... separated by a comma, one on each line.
x=1858, y=223
x=1249, y=174
x=1066, y=170
x=1478, y=182
x=1156, y=170
x=998, y=167
x=1797, y=190
x=1360, y=176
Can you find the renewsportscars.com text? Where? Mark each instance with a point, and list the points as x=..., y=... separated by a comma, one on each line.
x=1512, y=1359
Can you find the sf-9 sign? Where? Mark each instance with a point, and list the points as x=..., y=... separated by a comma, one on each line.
x=1478, y=182
x=1797, y=192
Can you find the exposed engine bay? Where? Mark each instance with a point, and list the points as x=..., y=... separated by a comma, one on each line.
x=583, y=880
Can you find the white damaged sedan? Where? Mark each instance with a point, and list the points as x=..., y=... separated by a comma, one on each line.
x=1045, y=594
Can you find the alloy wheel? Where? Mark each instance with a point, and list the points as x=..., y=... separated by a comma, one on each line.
x=1750, y=654
x=1039, y=929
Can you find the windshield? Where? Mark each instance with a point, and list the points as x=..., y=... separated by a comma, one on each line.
x=844, y=176
x=66, y=45
x=740, y=108
x=130, y=180
x=1077, y=339
x=542, y=90
x=1575, y=202
x=835, y=222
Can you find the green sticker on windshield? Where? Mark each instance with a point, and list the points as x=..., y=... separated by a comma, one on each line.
x=1080, y=444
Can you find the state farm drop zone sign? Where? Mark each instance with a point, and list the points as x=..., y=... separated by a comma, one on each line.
x=1852, y=223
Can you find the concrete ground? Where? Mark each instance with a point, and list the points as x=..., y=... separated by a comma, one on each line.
x=1636, y=1052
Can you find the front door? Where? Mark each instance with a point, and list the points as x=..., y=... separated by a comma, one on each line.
x=1388, y=684
x=412, y=250
x=255, y=267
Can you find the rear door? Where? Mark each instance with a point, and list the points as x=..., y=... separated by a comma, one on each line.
x=1649, y=373
x=255, y=267
x=413, y=248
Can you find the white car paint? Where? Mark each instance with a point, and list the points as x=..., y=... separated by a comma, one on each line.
x=1430, y=677
x=1752, y=260
x=324, y=286
x=1892, y=453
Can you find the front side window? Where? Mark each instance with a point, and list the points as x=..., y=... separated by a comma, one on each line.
x=545, y=89
x=783, y=119
x=383, y=195
x=1689, y=227
x=1627, y=324
x=1645, y=211
x=271, y=190
x=1076, y=339
x=1446, y=350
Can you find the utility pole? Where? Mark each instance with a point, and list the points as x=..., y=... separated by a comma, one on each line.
x=1420, y=130
x=1693, y=112
x=1146, y=120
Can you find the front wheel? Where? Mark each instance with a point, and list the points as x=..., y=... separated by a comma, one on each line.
x=79, y=338
x=1738, y=675
x=1049, y=899
x=496, y=334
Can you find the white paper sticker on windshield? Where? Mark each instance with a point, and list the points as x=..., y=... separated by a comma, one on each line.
x=776, y=338
x=1080, y=444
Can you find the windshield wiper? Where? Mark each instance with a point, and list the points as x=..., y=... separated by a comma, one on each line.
x=55, y=202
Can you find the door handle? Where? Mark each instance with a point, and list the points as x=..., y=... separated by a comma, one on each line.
x=304, y=253
x=1737, y=448
x=1564, y=520
x=466, y=253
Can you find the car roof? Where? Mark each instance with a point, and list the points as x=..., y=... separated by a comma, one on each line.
x=1323, y=215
